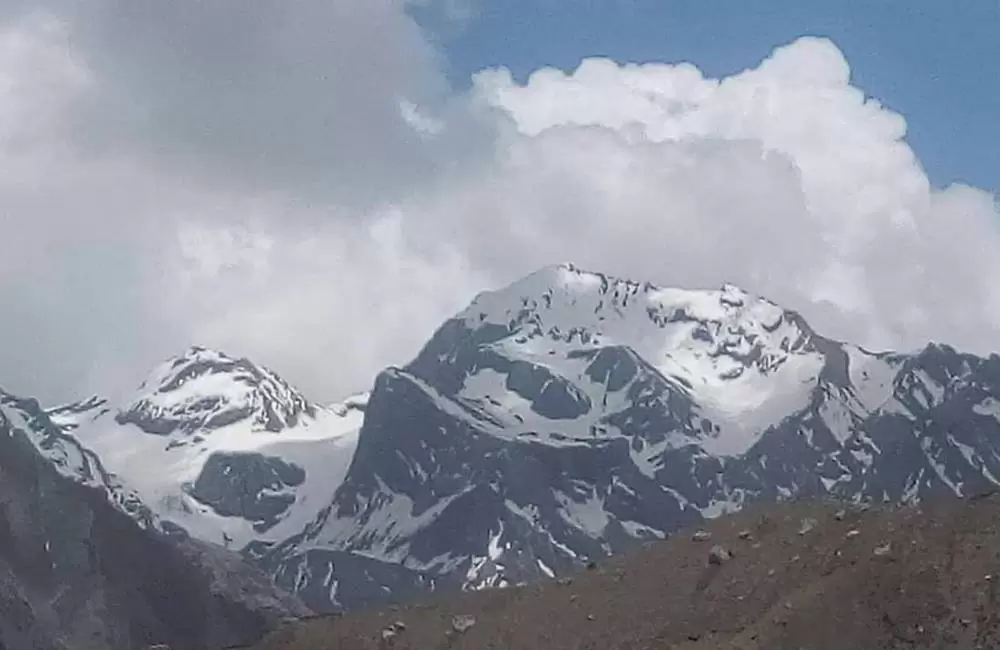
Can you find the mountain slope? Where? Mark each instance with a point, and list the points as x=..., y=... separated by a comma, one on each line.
x=574, y=415
x=76, y=571
x=879, y=579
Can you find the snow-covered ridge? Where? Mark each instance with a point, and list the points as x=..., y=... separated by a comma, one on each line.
x=69, y=457
x=202, y=390
x=221, y=447
x=744, y=360
x=590, y=309
x=686, y=333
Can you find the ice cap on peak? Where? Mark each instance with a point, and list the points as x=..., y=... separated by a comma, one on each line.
x=205, y=388
x=571, y=296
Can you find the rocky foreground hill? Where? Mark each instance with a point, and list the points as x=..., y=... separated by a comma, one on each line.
x=796, y=576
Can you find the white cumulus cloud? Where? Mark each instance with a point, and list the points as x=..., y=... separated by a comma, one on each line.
x=309, y=192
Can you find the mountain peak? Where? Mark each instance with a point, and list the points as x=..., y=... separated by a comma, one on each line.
x=570, y=276
x=204, y=388
x=565, y=302
x=743, y=359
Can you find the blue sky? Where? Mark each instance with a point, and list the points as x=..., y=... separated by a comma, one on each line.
x=933, y=61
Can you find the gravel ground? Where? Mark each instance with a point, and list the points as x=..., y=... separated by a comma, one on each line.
x=800, y=576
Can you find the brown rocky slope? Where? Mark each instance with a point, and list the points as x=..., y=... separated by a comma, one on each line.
x=801, y=575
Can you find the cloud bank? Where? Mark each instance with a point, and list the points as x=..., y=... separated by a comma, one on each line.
x=296, y=182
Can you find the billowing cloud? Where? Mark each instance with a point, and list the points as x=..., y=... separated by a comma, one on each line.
x=150, y=156
x=784, y=179
x=301, y=95
x=295, y=182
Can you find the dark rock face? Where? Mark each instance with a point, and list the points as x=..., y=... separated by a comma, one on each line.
x=939, y=433
x=208, y=413
x=414, y=453
x=551, y=396
x=328, y=580
x=19, y=626
x=247, y=485
x=77, y=572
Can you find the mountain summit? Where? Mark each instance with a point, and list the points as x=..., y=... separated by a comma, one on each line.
x=220, y=448
x=203, y=390
x=744, y=360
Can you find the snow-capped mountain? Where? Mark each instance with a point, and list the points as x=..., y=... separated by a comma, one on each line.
x=204, y=390
x=221, y=448
x=225, y=451
x=563, y=418
x=572, y=415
